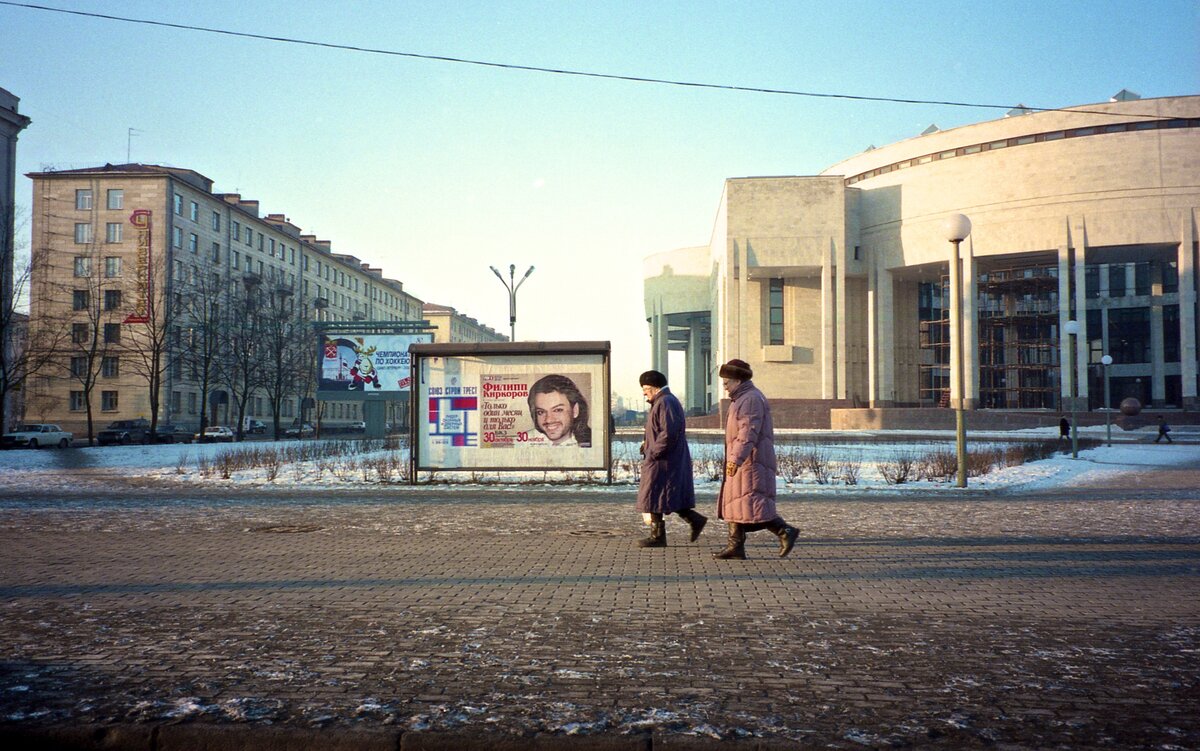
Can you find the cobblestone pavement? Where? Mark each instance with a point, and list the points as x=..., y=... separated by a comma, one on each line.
x=1064, y=621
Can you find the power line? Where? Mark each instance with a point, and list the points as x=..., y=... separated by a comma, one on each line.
x=563, y=71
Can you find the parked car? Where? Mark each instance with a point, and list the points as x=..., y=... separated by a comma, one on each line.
x=255, y=426
x=168, y=433
x=215, y=434
x=299, y=431
x=357, y=427
x=125, y=432
x=35, y=435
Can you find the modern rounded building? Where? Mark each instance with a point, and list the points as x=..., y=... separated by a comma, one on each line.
x=835, y=287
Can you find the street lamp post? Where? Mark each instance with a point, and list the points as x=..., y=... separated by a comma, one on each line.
x=957, y=228
x=512, y=286
x=1072, y=329
x=1106, y=361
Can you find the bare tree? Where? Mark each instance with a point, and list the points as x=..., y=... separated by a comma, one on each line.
x=242, y=368
x=284, y=350
x=153, y=343
x=20, y=357
x=95, y=331
x=202, y=325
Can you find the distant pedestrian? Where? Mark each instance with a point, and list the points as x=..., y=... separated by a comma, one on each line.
x=666, y=482
x=1064, y=430
x=1164, y=430
x=747, y=498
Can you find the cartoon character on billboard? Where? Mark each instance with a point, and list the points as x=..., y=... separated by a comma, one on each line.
x=363, y=373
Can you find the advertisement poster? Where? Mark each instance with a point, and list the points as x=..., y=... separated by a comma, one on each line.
x=514, y=412
x=370, y=363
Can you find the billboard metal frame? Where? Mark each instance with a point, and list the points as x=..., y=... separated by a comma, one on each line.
x=531, y=350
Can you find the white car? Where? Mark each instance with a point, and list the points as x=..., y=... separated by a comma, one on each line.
x=215, y=434
x=35, y=435
x=299, y=431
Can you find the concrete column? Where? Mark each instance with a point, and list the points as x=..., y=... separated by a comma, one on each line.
x=885, y=337
x=1080, y=237
x=1158, y=380
x=743, y=299
x=841, y=354
x=695, y=366
x=872, y=336
x=828, y=336
x=1064, y=315
x=1186, y=261
x=658, y=340
x=970, y=311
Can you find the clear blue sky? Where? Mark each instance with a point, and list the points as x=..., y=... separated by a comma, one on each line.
x=434, y=170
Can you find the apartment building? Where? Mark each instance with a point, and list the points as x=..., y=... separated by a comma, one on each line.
x=451, y=326
x=126, y=249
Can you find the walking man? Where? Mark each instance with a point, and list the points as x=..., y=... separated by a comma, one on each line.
x=1164, y=430
x=666, y=482
x=747, y=499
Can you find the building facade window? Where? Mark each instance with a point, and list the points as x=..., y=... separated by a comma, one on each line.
x=112, y=267
x=1116, y=280
x=177, y=237
x=77, y=402
x=112, y=299
x=80, y=299
x=108, y=401
x=237, y=231
x=83, y=266
x=116, y=199
x=83, y=233
x=775, y=311
x=112, y=232
x=193, y=243
x=1170, y=323
x=110, y=366
x=195, y=212
x=78, y=366
x=79, y=333
x=235, y=259
x=112, y=333
x=83, y=199
x=1129, y=335
x=191, y=403
x=176, y=402
x=216, y=253
x=177, y=205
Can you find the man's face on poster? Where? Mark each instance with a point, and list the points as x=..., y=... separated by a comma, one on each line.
x=555, y=415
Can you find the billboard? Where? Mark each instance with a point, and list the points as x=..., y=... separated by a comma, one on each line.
x=503, y=407
x=353, y=365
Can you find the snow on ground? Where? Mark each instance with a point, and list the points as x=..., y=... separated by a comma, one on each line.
x=195, y=464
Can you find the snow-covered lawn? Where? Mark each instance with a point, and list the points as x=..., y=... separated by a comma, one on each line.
x=868, y=452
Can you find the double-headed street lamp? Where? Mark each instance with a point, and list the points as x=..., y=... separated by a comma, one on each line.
x=957, y=228
x=512, y=286
x=1071, y=327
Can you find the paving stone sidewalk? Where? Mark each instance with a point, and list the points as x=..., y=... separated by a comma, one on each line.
x=487, y=619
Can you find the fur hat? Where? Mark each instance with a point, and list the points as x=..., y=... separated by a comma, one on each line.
x=652, y=378
x=739, y=369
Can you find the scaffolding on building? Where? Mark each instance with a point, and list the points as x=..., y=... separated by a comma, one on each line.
x=1017, y=324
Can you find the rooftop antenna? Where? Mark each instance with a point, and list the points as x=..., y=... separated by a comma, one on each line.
x=129, y=143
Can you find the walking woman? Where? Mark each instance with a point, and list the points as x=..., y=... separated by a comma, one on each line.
x=666, y=483
x=747, y=500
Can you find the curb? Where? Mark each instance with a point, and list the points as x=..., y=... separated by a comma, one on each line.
x=202, y=737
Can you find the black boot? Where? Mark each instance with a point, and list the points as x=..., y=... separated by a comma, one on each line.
x=737, y=544
x=787, y=535
x=658, y=533
x=695, y=520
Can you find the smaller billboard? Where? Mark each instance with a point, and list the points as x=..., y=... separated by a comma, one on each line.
x=366, y=363
x=512, y=406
